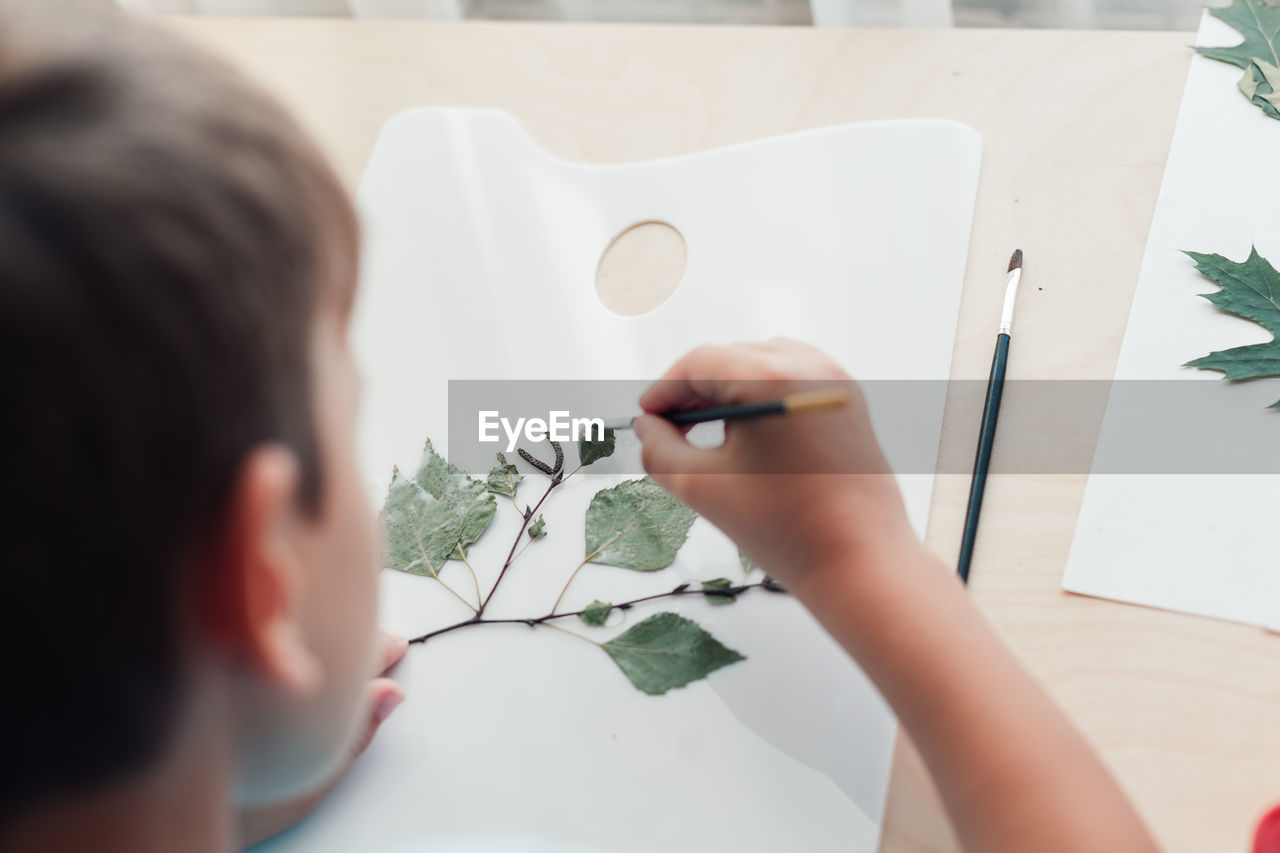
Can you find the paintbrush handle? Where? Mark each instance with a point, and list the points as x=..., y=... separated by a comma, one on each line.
x=727, y=413
x=986, y=437
x=796, y=402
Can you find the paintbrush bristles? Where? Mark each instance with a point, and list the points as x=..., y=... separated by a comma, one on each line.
x=1015, y=263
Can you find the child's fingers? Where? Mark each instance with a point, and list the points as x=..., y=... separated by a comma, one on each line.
x=385, y=695
x=740, y=373
x=391, y=649
x=671, y=460
x=697, y=379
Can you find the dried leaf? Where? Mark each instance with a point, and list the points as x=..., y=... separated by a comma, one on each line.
x=1258, y=53
x=716, y=591
x=433, y=517
x=1261, y=85
x=468, y=497
x=636, y=525
x=772, y=585
x=590, y=450
x=748, y=565
x=504, y=477
x=596, y=612
x=538, y=529
x=419, y=532
x=666, y=651
x=1251, y=290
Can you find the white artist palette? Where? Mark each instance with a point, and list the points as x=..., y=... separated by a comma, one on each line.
x=482, y=253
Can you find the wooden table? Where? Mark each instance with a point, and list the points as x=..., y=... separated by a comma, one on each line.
x=1076, y=127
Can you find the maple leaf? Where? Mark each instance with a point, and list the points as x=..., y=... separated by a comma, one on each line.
x=1258, y=54
x=1251, y=290
x=1261, y=85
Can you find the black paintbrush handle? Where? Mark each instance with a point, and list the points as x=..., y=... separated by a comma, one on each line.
x=726, y=413
x=986, y=436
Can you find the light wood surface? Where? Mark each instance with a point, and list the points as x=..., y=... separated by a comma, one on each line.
x=1076, y=127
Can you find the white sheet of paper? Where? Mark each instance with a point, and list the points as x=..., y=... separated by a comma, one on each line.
x=1202, y=544
x=480, y=263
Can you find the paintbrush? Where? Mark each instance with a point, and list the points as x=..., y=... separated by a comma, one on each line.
x=990, y=412
x=790, y=404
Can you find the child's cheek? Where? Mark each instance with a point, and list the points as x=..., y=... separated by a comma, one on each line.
x=342, y=606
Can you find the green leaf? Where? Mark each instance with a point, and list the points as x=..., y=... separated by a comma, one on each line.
x=1251, y=290
x=747, y=563
x=419, y=532
x=1258, y=53
x=538, y=529
x=591, y=451
x=713, y=588
x=666, y=651
x=433, y=517
x=636, y=525
x=469, y=498
x=596, y=612
x=504, y=477
x=1261, y=85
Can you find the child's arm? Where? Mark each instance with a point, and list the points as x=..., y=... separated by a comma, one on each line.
x=1013, y=772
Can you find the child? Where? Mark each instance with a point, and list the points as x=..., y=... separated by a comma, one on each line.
x=190, y=589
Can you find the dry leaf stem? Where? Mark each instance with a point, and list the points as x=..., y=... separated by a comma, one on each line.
x=683, y=589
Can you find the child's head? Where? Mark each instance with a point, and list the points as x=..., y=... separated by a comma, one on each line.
x=186, y=546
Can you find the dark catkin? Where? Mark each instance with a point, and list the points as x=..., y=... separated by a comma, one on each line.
x=559, y=466
x=535, y=461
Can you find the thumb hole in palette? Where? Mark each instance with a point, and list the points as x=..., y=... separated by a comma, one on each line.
x=641, y=268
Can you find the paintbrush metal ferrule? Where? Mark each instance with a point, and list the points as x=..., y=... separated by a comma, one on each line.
x=1011, y=293
x=620, y=423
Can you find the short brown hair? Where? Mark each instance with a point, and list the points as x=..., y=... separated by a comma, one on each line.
x=167, y=234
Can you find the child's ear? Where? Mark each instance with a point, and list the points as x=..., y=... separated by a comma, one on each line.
x=255, y=600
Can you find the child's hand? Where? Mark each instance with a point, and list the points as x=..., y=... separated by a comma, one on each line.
x=1012, y=771
x=261, y=823
x=801, y=494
